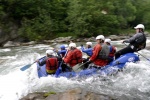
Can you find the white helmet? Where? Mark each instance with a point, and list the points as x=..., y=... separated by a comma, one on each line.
x=140, y=26
x=108, y=40
x=100, y=37
x=89, y=43
x=72, y=45
x=50, y=52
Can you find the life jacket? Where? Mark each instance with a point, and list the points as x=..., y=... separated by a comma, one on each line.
x=77, y=56
x=104, y=52
x=139, y=42
x=51, y=65
x=112, y=51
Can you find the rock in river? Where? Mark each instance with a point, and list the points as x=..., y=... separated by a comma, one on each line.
x=72, y=94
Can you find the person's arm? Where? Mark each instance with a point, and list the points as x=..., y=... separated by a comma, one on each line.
x=42, y=62
x=68, y=57
x=62, y=51
x=82, y=48
x=132, y=39
x=88, y=51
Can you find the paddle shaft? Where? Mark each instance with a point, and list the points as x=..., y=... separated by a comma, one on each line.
x=27, y=66
x=58, y=71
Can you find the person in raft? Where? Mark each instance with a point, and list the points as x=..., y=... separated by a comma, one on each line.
x=136, y=42
x=62, y=51
x=88, y=49
x=100, y=53
x=51, y=62
x=112, y=50
x=73, y=57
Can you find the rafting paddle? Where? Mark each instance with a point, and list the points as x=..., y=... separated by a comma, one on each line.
x=58, y=71
x=79, y=67
x=143, y=56
x=29, y=65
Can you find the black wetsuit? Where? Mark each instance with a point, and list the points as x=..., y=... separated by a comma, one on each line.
x=136, y=43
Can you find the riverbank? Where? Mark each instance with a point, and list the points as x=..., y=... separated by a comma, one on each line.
x=67, y=39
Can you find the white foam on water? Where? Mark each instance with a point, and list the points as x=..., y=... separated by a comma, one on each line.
x=132, y=83
x=5, y=50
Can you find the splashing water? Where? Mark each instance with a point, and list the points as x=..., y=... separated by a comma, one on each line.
x=132, y=83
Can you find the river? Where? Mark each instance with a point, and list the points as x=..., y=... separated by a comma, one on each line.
x=132, y=83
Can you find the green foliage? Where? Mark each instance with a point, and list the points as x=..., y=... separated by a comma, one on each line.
x=45, y=19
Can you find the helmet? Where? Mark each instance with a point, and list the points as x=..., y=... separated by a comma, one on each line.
x=140, y=26
x=62, y=47
x=50, y=52
x=72, y=45
x=108, y=40
x=100, y=37
x=88, y=43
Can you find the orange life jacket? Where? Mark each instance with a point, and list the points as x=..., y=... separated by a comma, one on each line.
x=112, y=52
x=51, y=65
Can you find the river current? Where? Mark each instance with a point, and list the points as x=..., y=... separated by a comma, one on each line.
x=132, y=83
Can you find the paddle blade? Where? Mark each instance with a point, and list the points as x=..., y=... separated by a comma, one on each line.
x=25, y=67
x=78, y=67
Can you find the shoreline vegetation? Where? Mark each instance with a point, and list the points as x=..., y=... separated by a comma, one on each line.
x=37, y=20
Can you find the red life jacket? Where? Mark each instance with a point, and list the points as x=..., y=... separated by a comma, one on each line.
x=51, y=65
x=77, y=57
x=112, y=52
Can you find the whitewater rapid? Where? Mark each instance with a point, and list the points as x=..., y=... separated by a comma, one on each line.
x=132, y=83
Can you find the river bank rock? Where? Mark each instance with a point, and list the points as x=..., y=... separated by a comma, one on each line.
x=11, y=44
x=60, y=40
x=115, y=37
x=67, y=40
x=72, y=94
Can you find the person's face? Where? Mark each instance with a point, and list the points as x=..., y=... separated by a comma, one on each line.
x=47, y=55
x=87, y=46
x=107, y=43
x=137, y=30
x=98, y=41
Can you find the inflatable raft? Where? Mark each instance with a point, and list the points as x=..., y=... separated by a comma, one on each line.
x=109, y=69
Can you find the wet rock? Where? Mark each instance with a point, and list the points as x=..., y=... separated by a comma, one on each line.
x=115, y=37
x=11, y=44
x=34, y=96
x=91, y=39
x=28, y=43
x=73, y=94
x=59, y=40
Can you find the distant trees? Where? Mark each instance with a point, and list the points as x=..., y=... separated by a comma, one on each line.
x=43, y=19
